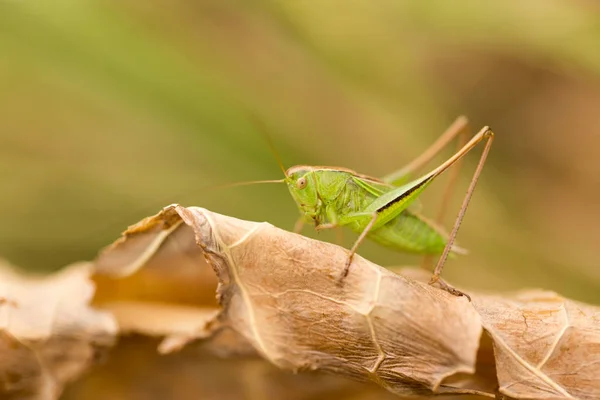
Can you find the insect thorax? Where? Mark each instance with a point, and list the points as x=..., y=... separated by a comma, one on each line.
x=340, y=193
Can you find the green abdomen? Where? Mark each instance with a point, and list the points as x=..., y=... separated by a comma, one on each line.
x=408, y=233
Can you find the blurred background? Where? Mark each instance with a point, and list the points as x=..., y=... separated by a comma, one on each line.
x=110, y=110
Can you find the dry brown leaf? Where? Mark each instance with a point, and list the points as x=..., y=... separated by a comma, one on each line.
x=49, y=335
x=546, y=346
x=280, y=293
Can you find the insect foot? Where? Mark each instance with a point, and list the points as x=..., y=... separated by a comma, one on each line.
x=444, y=286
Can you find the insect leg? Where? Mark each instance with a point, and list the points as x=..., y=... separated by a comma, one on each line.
x=360, y=239
x=453, y=178
x=390, y=204
x=299, y=224
x=486, y=133
x=458, y=127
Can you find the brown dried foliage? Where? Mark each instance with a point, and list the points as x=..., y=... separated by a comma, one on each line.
x=279, y=299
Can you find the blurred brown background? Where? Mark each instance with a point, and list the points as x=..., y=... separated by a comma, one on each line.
x=110, y=110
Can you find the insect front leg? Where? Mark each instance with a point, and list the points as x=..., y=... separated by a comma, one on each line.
x=332, y=217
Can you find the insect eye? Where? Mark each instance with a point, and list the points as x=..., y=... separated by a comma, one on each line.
x=301, y=183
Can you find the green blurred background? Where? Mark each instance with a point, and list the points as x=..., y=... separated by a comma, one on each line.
x=110, y=110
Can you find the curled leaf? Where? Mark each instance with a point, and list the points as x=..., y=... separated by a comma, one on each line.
x=280, y=295
x=155, y=281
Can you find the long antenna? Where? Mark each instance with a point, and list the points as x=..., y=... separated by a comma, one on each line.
x=109, y=225
x=246, y=183
x=262, y=128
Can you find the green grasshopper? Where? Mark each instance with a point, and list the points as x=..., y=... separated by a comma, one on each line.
x=377, y=209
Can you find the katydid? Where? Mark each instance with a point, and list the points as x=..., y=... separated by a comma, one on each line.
x=377, y=209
